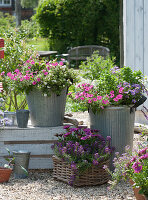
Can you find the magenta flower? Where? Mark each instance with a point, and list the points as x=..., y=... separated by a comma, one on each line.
x=34, y=83
x=116, y=99
x=9, y=74
x=137, y=167
x=121, y=90
x=119, y=96
x=17, y=70
x=38, y=79
x=99, y=97
x=45, y=73
x=61, y=63
x=145, y=156
x=94, y=99
x=111, y=92
x=67, y=134
x=89, y=101
x=82, y=98
x=2, y=73
x=32, y=62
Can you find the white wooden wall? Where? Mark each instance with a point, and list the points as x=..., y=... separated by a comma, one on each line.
x=135, y=36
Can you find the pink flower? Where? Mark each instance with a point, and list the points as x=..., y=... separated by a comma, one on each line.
x=26, y=77
x=121, y=90
x=137, y=167
x=61, y=63
x=69, y=93
x=90, y=95
x=105, y=102
x=112, y=92
x=89, y=101
x=82, y=98
x=102, y=107
x=116, y=99
x=21, y=79
x=38, y=79
x=29, y=67
x=48, y=68
x=99, y=97
x=45, y=73
x=28, y=61
x=2, y=73
x=94, y=99
x=34, y=83
x=112, y=95
x=32, y=62
x=119, y=96
x=17, y=70
x=9, y=74
x=43, y=70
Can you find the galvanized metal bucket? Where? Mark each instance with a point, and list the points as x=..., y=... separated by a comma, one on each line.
x=22, y=117
x=117, y=122
x=21, y=162
x=46, y=111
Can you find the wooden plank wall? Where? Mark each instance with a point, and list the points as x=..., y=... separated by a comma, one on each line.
x=36, y=140
x=135, y=36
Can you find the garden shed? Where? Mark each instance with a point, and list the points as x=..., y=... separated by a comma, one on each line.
x=135, y=38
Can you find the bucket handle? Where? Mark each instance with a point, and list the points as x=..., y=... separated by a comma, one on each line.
x=138, y=103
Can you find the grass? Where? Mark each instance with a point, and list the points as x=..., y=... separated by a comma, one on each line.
x=39, y=44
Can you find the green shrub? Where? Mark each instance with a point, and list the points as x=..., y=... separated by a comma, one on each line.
x=70, y=23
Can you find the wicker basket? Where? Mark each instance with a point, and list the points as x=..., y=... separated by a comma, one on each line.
x=5, y=174
x=95, y=175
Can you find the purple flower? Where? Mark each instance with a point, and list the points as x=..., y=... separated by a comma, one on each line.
x=66, y=127
x=96, y=155
x=85, y=137
x=95, y=162
x=145, y=156
x=108, y=138
x=67, y=134
x=105, y=167
x=137, y=167
x=142, y=151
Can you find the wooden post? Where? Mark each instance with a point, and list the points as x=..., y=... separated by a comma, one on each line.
x=1, y=46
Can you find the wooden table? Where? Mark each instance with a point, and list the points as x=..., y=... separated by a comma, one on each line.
x=46, y=53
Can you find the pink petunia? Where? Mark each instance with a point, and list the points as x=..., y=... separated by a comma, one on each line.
x=119, y=96
x=82, y=98
x=17, y=70
x=61, y=63
x=9, y=74
x=38, y=79
x=116, y=99
x=99, y=97
x=89, y=101
x=94, y=99
x=2, y=73
x=34, y=83
x=137, y=167
x=121, y=90
x=45, y=73
x=32, y=62
x=112, y=92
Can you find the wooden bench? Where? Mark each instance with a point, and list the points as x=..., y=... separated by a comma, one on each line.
x=81, y=53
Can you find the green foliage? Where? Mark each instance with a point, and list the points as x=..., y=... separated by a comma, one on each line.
x=29, y=3
x=70, y=23
x=6, y=21
x=16, y=51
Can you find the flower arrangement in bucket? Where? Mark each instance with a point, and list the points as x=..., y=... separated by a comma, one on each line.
x=132, y=165
x=116, y=87
x=45, y=84
x=47, y=76
x=80, y=154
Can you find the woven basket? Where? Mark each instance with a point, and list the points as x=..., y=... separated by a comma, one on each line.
x=5, y=174
x=95, y=175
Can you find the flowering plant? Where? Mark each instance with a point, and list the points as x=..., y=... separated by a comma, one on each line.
x=42, y=75
x=123, y=87
x=82, y=148
x=132, y=165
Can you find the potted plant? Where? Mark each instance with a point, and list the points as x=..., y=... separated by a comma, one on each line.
x=6, y=170
x=80, y=154
x=45, y=84
x=111, y=95
x=132, y=166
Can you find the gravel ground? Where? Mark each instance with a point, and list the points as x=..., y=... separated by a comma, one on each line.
x=41, y=186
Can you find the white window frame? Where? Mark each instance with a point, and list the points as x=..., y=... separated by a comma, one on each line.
x=5, y=5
